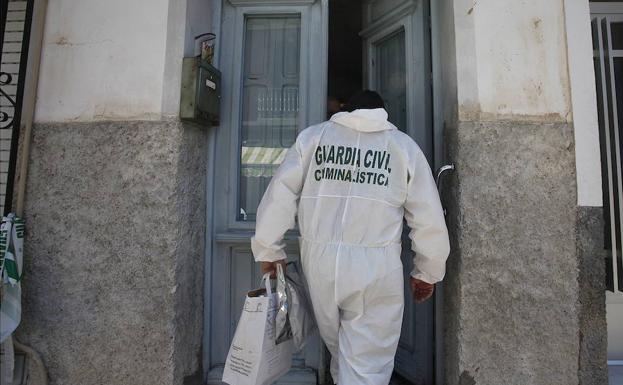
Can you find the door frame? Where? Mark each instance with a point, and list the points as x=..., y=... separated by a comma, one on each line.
x=439, y=85
x=437, y=38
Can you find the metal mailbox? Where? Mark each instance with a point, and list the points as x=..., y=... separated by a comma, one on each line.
x=201, y=92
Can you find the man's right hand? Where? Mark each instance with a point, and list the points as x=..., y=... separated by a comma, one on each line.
x=421, y=290
x=271, y=267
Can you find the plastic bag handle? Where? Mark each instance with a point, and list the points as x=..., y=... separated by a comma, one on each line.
x=280, y=273
x=266, y=279
x=281, y=284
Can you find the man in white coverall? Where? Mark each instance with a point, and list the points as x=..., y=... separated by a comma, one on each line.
x=351, y=180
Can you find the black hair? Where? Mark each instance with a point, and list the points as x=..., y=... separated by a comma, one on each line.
x=366, y=99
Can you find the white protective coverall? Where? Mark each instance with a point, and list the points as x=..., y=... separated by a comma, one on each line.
x=351, y=180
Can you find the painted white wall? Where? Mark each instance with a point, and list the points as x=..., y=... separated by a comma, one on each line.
x=102, y=60
x=186, y=19
x=467, y=99
x=583, y=101
x=511, y=60
x=175, y=40
x=614, y=317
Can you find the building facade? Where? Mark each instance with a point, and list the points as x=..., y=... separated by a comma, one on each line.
x=137, y=252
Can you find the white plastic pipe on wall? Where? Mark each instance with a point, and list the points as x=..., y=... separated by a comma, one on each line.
x=29, y=98
x=35, y=367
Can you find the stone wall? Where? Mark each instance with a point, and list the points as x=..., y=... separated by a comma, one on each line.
x=512, y=281
x=114, y=251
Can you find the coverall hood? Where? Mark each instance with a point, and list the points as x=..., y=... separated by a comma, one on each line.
x=364, y=120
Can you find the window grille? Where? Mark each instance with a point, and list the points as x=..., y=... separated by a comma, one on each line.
x=608, y=61
x=15, y=22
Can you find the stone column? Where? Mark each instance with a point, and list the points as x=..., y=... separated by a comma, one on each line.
x=512, y=281
x=115, y=199
x=113, y=286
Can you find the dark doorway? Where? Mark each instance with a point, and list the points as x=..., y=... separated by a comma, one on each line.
x=345, y=51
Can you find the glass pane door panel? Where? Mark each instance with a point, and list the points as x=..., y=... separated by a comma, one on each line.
x=391, y=77
x=270, y=104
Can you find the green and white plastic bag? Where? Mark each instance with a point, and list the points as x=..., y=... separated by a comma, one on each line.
x=11, y=260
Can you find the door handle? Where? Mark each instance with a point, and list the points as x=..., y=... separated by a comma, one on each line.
x=440, y=172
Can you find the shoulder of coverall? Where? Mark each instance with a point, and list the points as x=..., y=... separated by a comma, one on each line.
x=309, y=137
x=410, y=153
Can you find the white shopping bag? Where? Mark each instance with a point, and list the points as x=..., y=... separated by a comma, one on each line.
x=254, y=358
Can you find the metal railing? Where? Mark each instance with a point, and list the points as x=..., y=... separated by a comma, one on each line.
x=15, y=25
x=608, y=61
